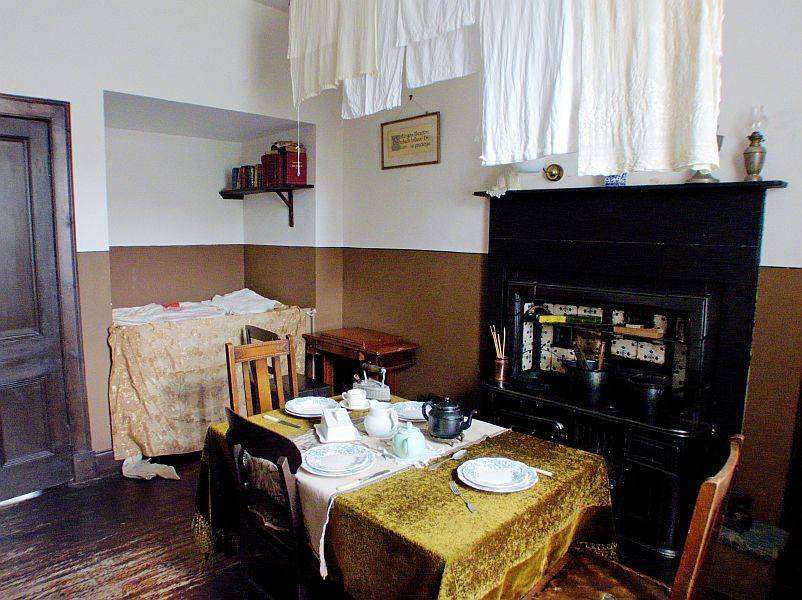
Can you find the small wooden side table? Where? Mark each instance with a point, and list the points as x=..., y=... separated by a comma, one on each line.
x=356, y=345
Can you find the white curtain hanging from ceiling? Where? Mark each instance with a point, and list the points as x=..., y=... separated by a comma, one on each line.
x=531, y=79
x=651, y=82
x=435, y=39
x=330, y=41
x=630, y=85
x=368, y=94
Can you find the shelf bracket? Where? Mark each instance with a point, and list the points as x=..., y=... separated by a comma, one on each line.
x=288, y=202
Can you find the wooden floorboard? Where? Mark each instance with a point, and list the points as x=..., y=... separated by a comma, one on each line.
x=114, y=538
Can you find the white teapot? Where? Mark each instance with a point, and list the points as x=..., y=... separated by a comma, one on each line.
x=381, y=420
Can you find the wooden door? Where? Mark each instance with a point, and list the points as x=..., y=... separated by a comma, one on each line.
x=34, y=426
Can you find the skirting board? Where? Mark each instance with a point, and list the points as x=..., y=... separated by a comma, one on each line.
x=96, y=465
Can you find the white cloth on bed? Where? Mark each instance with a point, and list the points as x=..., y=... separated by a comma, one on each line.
x=243, y=302
x=156, y=313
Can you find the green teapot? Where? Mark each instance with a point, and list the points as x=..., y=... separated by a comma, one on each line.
x=408, y=442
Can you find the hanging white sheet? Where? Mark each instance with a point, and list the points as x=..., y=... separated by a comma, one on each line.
x=437, y=39
x=651, y=85
x=426, y=19
x=448, y=56
x=368, y=94
x=529, y=52
x=330, y=41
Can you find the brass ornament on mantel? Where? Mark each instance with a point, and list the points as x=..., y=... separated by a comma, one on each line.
x=754, y=157
x=553, y=172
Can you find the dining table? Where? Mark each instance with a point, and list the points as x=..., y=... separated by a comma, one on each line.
x=405, y=533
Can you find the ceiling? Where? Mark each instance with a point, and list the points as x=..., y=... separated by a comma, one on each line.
x=140, y=113
x=282, y=5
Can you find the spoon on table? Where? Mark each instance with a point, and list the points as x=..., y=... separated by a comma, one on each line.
x=456, y=456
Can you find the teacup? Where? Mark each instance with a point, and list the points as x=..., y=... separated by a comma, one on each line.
x=356, y=399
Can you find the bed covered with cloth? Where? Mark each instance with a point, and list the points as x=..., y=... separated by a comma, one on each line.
x=169, y=381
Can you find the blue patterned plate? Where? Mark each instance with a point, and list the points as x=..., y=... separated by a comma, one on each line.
x=409, y=411
x=496, y=474
x=338, y=459
x=309, y=407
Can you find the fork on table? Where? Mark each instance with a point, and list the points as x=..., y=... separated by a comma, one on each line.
x=458, y=493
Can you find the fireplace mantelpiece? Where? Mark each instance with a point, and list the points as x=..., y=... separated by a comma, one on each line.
x=672, y=234
x=667, y=237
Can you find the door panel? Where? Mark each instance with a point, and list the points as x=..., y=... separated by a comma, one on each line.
x=34, y=426
x=18, y=311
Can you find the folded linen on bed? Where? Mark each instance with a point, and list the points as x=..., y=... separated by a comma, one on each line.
x=157, y=313
x=243, y=302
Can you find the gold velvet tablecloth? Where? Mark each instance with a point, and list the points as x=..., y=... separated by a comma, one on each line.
x=408, y=536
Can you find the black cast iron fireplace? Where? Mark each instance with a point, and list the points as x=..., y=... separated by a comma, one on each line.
x=663, y=280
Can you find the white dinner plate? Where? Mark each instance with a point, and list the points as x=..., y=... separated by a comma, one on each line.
x=309, y=407
x=338, y=458
x=496, y=474
x=409, y=411
x=359, y=471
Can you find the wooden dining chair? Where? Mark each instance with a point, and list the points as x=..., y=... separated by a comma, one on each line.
x=254, y=359
x=584, y=575
x=307, y=386
x=267, y=498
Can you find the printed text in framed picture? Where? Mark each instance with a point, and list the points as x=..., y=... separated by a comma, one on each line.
x=411, y=141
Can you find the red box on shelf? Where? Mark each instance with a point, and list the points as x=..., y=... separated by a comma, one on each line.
x=289, y=161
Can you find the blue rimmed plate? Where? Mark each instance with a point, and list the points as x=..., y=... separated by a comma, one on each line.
x=338, y=459
x=409, y=411
x=497, y=474
x=309, y=407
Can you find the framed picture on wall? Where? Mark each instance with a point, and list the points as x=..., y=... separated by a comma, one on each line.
x=411, y=141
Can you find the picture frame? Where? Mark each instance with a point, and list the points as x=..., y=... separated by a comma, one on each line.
x=411, y=141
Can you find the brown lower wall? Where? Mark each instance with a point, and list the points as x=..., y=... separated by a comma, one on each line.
x=431, y=298
x=144, y=274
x=299, y=275
x=94, y=285
x=773, y=390
x=284, y=273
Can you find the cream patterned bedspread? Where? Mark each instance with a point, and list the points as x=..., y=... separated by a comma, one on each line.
x=169, y=381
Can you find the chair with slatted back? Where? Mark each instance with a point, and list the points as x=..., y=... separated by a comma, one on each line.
x=584, y=575
x=254, y=359
x=307, y=386
x=268, y=503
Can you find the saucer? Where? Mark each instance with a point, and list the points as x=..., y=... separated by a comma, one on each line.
x=347, y=405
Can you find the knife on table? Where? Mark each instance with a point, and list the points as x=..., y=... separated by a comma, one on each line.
x=354, y=484
x=282, y=421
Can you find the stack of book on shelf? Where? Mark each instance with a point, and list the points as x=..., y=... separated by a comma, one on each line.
x=247, y=177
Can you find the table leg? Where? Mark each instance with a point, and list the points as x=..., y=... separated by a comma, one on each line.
x=328, y=370
x=391, y=380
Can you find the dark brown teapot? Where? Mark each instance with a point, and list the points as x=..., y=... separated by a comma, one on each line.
x=446, y=419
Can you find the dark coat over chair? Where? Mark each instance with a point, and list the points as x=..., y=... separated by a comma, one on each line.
x=267, y=494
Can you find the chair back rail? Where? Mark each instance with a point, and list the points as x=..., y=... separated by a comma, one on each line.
x=254, y=360
x=708, y=514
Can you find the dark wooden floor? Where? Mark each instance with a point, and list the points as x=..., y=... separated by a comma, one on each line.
x=115, y=538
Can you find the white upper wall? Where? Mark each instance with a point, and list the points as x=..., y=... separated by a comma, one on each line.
x=163, y=190
x=184, y=51
x=227, y=54
x=430, y=207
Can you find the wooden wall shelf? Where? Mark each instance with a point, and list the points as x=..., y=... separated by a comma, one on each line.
x=285, y=192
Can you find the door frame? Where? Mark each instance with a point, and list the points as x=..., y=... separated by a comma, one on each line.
x=57, y=114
